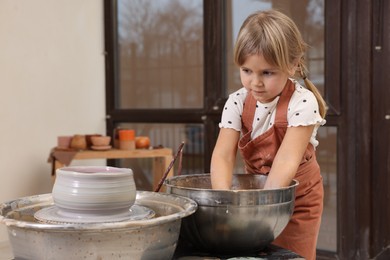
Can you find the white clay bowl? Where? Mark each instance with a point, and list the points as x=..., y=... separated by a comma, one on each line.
x=94, y=189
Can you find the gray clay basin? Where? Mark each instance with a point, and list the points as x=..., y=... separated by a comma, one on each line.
x=154, y=238
x=244, y=219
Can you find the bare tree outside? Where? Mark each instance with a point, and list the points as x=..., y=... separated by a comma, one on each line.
x=161, y=54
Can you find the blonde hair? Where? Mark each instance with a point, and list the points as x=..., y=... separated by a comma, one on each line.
x=275, y=36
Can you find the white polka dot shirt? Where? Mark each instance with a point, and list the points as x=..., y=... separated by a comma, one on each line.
x=302, y=111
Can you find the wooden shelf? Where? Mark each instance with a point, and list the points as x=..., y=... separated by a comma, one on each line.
x=123, y=154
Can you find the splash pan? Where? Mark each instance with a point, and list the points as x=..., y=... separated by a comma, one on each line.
x=153, y=238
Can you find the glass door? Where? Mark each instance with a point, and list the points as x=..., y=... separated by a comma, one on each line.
x=170, y=70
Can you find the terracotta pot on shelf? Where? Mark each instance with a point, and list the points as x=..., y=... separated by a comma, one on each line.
x=63, y=142
x=142, y=142
x=126, y=139
x=88, y=139
x=78, y=142
x=100, y=140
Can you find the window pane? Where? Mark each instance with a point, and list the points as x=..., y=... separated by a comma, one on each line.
x=169, y=136
x=160, y=49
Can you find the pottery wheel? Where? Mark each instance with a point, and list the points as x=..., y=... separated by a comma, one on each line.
x=55, y=215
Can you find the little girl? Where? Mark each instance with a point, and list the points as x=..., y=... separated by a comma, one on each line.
x=273, y=121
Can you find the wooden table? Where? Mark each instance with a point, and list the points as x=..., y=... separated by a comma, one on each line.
x=162, y=157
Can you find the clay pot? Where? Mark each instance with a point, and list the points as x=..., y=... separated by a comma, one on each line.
x=91, y=189
x=63, y=142
x=89, y=141
x=78, y=142
x=100, y=140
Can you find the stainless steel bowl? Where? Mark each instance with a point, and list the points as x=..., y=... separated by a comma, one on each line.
x=246, y=218
x=154, y=238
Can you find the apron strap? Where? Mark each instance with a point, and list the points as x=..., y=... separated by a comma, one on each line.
x=248, y=113
x=281, y=108
x=283, y=102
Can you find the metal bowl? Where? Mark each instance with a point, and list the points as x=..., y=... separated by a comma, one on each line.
x=154, y=238
x=244, y=219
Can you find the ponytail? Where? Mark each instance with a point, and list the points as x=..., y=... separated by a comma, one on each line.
x=310, y=86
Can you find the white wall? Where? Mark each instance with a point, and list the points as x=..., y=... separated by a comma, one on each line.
x=52, y=82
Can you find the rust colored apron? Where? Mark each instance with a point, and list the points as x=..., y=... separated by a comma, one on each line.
x=301, y=233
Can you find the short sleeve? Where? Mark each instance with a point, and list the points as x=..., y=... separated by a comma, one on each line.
x=232, y=111
x=303, y=109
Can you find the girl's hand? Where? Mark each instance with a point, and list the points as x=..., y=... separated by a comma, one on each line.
x=289, y=156
x=223, y=159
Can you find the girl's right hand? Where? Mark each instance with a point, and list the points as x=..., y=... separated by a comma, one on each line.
x=223, y=159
